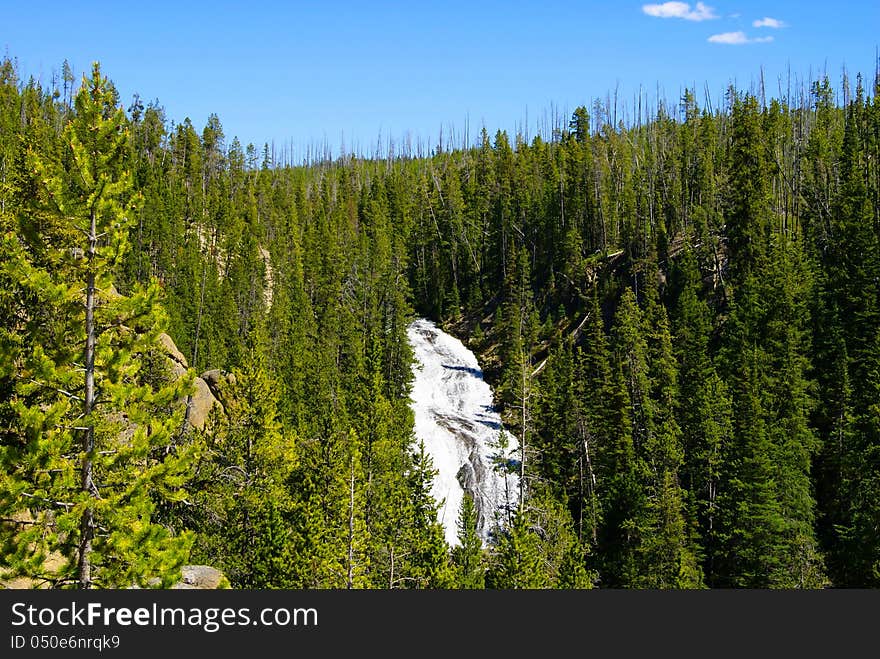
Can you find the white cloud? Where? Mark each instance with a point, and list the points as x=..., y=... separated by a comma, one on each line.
x=775, y=23
x=700, y=12
x=737, y=39
x=733, y=38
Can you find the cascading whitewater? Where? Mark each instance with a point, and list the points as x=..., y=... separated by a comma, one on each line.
x=461, y=431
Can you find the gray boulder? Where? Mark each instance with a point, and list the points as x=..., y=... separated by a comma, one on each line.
x=201, y=403
x=201, y=577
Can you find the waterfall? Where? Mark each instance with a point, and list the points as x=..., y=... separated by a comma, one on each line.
x=461, y=431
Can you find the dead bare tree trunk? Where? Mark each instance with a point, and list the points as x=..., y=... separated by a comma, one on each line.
x=391, y=575
x=586, y=458
x=526, y=372
x=350, y=576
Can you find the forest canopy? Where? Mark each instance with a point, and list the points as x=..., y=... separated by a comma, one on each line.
x=679, y=314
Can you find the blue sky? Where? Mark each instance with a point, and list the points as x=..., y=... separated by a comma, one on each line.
x=303, y=73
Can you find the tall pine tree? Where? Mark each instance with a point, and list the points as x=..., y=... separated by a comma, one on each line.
x=92, y=446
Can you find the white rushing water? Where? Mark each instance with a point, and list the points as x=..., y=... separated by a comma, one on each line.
x=455, y=418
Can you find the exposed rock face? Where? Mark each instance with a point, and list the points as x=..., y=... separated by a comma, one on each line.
x=205, y=388
x=201, y=403
x=214, y=379
x=177, y=359
x=218, y=382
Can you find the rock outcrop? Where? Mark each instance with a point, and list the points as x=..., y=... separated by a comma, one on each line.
x=201, y=403
x=201, y=577
x=218, y=382
x=178, y=361
x=207, y=388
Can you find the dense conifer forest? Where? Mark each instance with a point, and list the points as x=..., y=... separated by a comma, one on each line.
x=679, y=313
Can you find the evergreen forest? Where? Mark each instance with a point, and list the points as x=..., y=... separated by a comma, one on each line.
x=679, y=313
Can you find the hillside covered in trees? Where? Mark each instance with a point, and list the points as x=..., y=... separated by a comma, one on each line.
x=680, y=315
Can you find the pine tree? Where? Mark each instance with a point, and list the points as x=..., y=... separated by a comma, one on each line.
x=517, y=559
x=539, y=550
x=246, y=495
x=92, y=450
x=768, y=508
x=748, y=198
x=521, y=329
x=703, y=408
x=467, y=556
x=851, y=367
x=624, y=496
x=597, y=427
x=750, y=522
x=765, y=506
x=429, y=564
x=669, y=559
